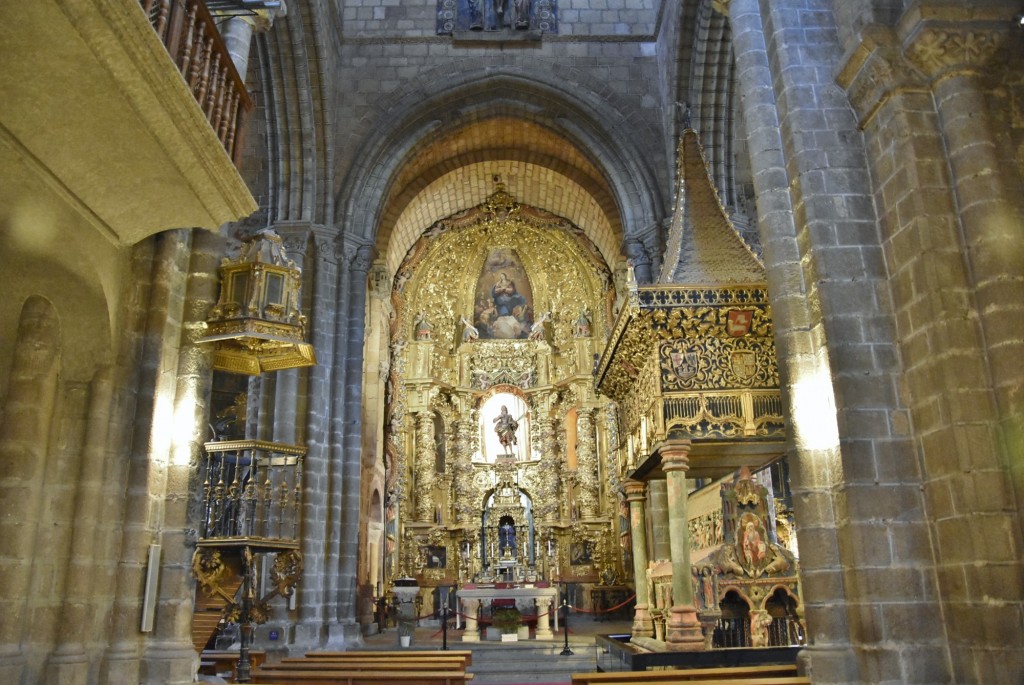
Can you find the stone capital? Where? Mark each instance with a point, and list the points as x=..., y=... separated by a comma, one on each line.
x=634, y=490
x=874, y=71
x=675, y=454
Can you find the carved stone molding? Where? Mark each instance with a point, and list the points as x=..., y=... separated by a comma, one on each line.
x=946, y=38
x=942, y=51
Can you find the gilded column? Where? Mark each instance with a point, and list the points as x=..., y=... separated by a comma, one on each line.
x=642, y=626
x=547, y=508
x=466, y=509
x=683, y=630
x=425, y=466
x=586, y=464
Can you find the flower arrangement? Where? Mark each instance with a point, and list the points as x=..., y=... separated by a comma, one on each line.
x=507, y=620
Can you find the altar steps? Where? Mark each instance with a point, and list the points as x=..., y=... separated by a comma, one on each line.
x=497, y=663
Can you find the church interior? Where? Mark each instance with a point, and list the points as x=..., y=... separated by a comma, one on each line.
x=328, y=313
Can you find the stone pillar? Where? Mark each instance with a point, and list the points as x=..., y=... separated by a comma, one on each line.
x=169, y=653
x=642, y=616
x=320, y=281
x=657, y=505
x=684, y=632
x=586, y=464
x=347, y=469
x=148, y=462
x=471, y=607
x=69, y=662
x=24, y=438
x=237, y=33
x=425, y=457
x=545, y=605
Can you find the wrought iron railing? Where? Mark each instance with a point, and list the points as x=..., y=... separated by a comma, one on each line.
x=190, y=35
x=251, y=490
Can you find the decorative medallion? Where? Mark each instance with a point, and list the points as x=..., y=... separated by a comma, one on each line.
x=738, y=322
x=684, y=364
x=743, y=364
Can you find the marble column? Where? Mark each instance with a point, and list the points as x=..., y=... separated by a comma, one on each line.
x=683, y=630
x=470, y=607
x=642, y=626
x=657, y=504
x=545, y=606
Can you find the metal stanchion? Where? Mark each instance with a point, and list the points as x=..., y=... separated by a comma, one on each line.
x=444, y=626
x=565, y=624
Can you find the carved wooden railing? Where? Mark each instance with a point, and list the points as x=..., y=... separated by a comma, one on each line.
x=188, y=31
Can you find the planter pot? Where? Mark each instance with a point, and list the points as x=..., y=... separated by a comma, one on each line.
x=509, y=637
x=405, y=640
x=524, y=632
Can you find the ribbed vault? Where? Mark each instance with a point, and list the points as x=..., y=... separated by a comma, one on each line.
x=459, y=169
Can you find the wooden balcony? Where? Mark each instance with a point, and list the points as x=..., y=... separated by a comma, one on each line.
x=191, y=37
x=113, y=134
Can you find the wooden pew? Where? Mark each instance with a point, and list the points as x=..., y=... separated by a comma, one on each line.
x=738, y=674
x=214, y=661
x=303, y=664
x=679, y=677
x=340, y=677
x=465, y=654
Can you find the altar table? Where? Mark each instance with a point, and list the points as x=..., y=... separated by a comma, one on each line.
x=545, y=598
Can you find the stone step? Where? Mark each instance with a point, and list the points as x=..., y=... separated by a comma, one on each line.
x=530, y=662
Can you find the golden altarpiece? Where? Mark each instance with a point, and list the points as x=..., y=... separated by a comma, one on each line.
x=492, y=427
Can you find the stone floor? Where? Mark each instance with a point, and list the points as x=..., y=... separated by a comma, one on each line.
x=511, y=663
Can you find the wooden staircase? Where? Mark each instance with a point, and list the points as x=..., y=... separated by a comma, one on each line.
x=207, y=612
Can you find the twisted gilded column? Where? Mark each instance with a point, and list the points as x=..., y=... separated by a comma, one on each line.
x=466, y=509
x=425, y=466
x=586, y=464
x=642, y=626
x=683, y=630
x=547, y=508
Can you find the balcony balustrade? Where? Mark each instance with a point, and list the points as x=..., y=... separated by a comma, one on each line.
x=189, y=33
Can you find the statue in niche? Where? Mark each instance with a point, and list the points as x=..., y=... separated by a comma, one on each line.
x=506, y=426
x=582, y=327
x=496, y=15
x=504, y=298
x=423, y=327
x=510, y=13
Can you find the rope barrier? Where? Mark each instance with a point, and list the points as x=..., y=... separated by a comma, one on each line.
x=607, y=611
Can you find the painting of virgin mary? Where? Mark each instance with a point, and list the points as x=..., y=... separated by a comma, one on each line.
x=504, y=298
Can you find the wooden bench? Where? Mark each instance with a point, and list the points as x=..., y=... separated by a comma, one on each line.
x=215, y=661
x=741, y=674
x=340, y=677
x=465, y=654
x=723, y=677
x=303, y=664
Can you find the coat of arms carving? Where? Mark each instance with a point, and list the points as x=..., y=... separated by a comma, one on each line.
x=738, y=321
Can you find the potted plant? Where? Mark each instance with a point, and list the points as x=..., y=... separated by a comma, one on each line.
x=507, y=620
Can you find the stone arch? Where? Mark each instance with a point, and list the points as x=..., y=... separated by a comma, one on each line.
x=587, y=121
